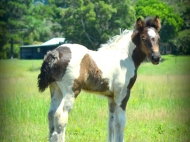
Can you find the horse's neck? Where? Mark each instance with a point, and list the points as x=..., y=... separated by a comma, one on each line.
x=126, y=45
x=138, y=57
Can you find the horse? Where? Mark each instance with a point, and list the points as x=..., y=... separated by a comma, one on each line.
x=111, y=71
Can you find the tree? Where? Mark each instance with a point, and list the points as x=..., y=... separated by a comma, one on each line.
x=184, y=9
x=183, y=42
x=91, y=23
x=171, y=21
x=36, y=24
x=11, y=22
x=22, y=23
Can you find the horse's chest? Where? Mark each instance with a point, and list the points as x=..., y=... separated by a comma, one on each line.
x=123, y=74
x=116, y=75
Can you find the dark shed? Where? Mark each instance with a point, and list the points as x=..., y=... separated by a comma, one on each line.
x=38, y=51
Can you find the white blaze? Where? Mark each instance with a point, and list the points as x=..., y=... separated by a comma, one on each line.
x=151, y=33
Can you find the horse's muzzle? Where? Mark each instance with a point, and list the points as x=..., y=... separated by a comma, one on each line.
x=155, y=58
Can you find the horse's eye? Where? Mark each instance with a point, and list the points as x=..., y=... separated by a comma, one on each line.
x=153, y=39
x=143, y=39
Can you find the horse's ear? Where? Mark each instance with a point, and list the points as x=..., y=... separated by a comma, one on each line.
x=157, y=23
x=140, y=24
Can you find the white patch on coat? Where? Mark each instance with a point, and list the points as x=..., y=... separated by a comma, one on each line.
x=151, y=33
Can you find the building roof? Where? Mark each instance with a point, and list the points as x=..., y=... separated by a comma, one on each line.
x=53, y=41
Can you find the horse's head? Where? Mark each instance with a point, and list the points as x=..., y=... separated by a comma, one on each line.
x=146, y=38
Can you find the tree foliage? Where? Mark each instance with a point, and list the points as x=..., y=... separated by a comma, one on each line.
x=184, y=10
x=11, y=21
x=36, y=24
x=23, y=22
x=92, y=22
x=182, y=7
x=87, y=22
x=182, y=43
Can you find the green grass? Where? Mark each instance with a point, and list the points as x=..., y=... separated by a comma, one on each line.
x=158, y=109
x=172, y=65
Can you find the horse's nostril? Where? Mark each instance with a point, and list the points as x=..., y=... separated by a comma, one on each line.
x=152, y=57
x=155, y=58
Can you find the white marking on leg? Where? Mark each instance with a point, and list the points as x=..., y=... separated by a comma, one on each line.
x=60, y=121
x=56, y=97
x=61, y=104
x=120, y=120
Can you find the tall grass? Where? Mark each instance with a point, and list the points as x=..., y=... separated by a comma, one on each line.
x=158, y=109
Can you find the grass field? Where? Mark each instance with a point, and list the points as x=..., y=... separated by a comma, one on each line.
x=158, y=109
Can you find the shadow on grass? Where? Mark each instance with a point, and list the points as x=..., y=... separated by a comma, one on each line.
x=163, y=59
x=33, y=69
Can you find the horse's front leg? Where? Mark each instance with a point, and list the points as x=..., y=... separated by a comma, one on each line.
x=116, y=122
x=120, y=115
x=120, y=121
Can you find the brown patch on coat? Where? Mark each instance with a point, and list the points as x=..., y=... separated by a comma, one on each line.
x=90, y=77
x=59, y=68
x=138, y=56
x=112, y=107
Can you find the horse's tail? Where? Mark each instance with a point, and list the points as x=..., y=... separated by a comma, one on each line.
x=45, y=76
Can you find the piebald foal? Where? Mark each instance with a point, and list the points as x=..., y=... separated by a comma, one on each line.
x=111, y=71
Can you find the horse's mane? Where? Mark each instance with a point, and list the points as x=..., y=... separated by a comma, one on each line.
x=110, y=44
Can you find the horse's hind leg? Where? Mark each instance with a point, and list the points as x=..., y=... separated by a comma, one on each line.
x=56, y=97
x=111, y=120
x=61, y=103
x=60, y=121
